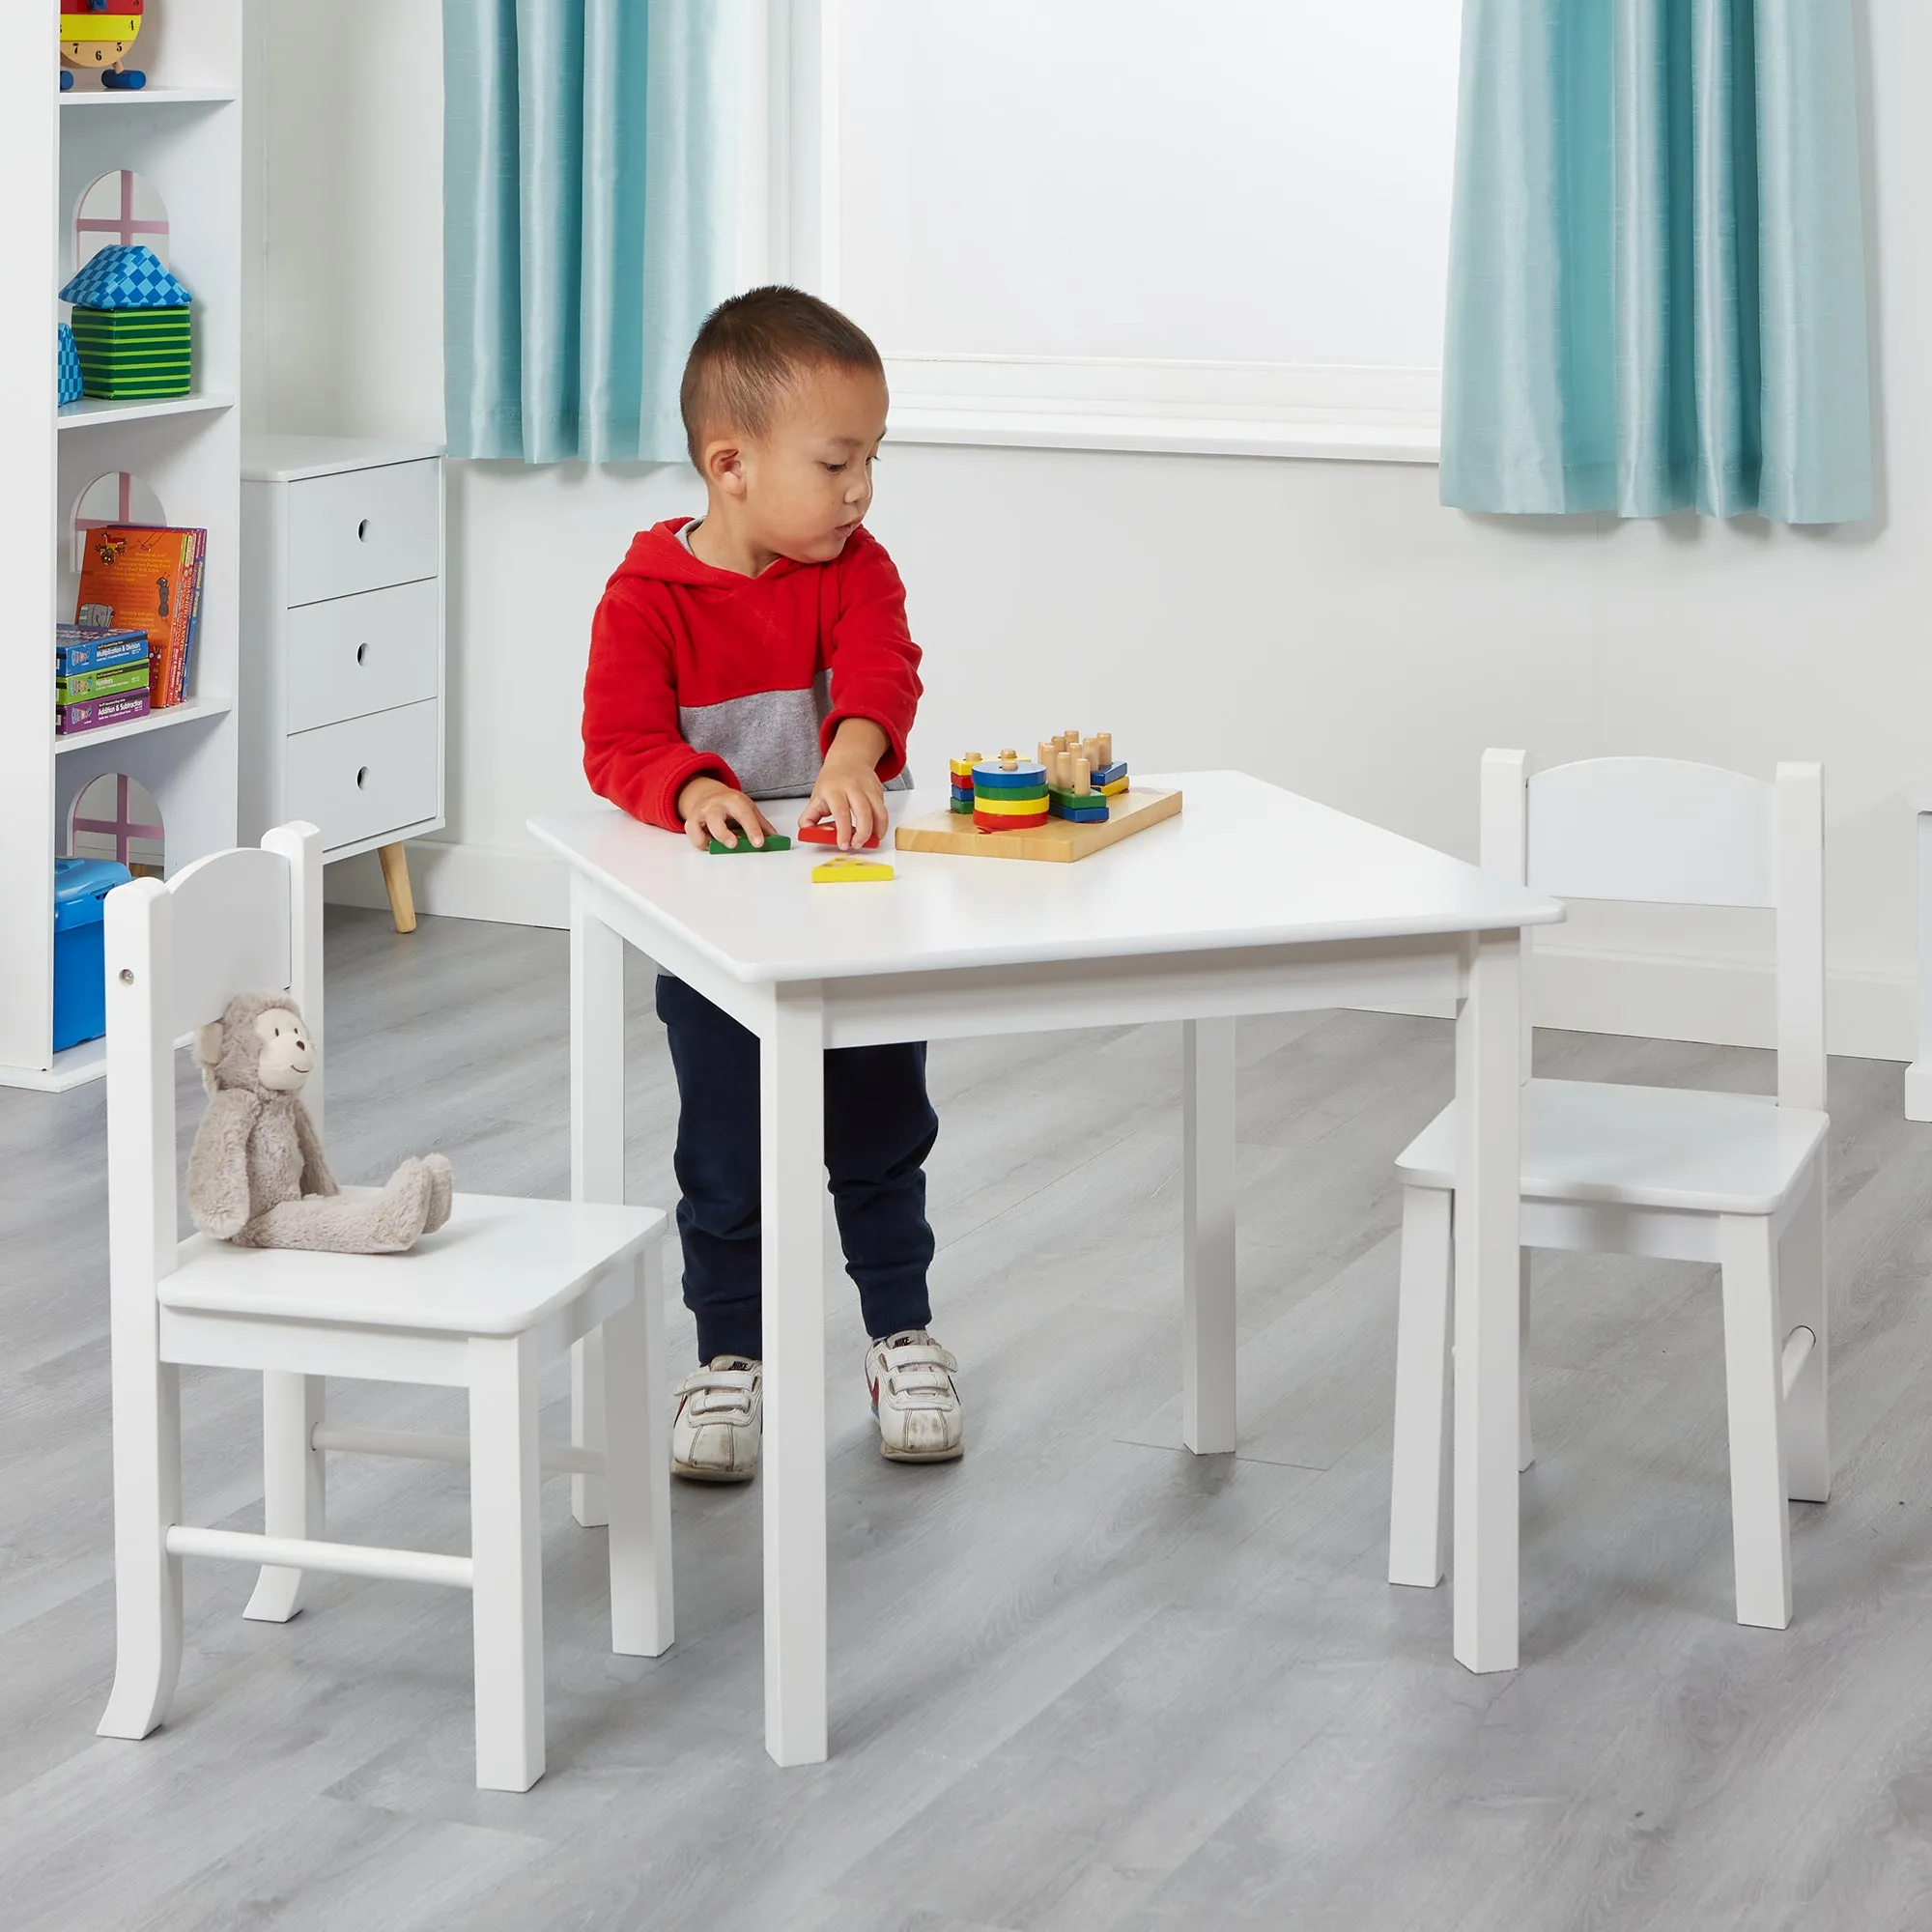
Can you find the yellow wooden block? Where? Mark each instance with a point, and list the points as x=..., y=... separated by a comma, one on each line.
x=1007, y=808
x=850, y=873
x=1113, y=789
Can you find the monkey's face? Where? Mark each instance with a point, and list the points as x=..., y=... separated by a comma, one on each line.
x=287, y=1058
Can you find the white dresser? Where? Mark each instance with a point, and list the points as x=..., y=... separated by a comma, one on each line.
x=341, y=644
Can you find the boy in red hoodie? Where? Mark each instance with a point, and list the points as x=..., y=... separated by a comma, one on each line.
x=762, y=651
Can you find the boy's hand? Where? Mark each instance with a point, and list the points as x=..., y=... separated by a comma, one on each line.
x=848, y=791
x=711, y=810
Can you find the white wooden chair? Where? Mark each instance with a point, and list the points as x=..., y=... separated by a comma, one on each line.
x=1731, y=1179
x=507, y=1285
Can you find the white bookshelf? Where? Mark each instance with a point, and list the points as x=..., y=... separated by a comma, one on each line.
x=183, y=133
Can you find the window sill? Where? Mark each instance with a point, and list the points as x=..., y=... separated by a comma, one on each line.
x=1207, y=408
x=1014, y=429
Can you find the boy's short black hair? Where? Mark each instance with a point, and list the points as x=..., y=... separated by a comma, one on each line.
x=750, y=352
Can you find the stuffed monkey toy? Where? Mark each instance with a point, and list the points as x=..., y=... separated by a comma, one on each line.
x=256, y=1176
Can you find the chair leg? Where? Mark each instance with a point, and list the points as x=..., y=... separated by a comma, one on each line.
x=507, y=1555
x=637, y=1483
x=292, y=1485
x=1525, y=1452
x=1805, y=1297
x=587, y=1378
x=1754, y=1398
x=1418, y=1493
x=147, y=1579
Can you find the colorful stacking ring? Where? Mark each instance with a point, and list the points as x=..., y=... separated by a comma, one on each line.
x=1025, y=776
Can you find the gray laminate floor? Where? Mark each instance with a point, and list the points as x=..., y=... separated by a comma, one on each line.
x=1080, y=1680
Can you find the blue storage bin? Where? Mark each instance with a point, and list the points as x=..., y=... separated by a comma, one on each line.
x=80, y=966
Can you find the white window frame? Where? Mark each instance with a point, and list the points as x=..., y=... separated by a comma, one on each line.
x=789, y=231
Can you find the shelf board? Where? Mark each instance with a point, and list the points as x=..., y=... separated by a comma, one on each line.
x=147, y=96
x=156, y=721
x=74, y=1066
x=92, y=411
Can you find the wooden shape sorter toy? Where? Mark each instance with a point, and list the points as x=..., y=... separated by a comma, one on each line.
x=1071, y=799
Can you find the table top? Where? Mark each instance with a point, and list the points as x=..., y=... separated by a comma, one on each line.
x=1246, y=865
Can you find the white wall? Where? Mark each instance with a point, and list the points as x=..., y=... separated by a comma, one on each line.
x=1327, y=625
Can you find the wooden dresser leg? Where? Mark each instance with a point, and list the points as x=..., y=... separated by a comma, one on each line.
x=396, y=879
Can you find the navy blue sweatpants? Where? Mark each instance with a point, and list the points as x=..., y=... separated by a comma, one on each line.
x=880, y=1127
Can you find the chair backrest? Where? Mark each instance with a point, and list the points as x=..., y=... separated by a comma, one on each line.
x=175, y=952
x=1665, y=832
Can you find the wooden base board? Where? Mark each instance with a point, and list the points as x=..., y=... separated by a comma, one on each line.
x=1057, y=842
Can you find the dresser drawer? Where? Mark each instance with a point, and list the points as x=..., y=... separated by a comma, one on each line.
x=363, y=530
x=365, y=775
x=357, y=654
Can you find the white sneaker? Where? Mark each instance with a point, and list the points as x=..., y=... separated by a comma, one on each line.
x=720, y=1419
x=913, y=1398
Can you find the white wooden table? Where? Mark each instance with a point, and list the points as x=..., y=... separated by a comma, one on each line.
x=1253, y=901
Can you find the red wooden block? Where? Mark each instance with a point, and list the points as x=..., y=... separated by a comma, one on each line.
x=825, y=832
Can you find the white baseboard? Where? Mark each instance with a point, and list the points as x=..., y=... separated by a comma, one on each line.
x=500, y=883
x=1868, y=1015
x=1652, y=996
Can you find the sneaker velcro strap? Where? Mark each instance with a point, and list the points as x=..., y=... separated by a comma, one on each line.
x=921, y=1355
x=719, y=1391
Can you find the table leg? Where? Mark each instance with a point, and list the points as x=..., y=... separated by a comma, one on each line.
x=1208, y=1237
x=596, y=1152
x=1918, y=1075
x=793, y=1140
x=1489, y=1164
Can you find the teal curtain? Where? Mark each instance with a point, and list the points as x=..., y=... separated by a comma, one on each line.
x=589, y=210
x=1657, y=285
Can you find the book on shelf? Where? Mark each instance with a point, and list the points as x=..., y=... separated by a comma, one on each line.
x=81, y=647
x=148, y=577
x=114, y=682
x=93, y=714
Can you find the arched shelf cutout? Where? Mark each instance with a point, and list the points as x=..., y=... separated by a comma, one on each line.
x=120, y=208
x=116, y=498
x=116, y=817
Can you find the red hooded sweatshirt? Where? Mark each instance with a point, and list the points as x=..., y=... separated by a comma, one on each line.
x=698, y=671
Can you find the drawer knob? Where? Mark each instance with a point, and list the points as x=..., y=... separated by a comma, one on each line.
x=362, y=779
x=361, y=654
x=362, y=530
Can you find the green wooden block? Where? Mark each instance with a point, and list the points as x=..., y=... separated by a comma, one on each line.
x=775, y=842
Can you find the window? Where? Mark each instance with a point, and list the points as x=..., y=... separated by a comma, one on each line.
x=1138, y=223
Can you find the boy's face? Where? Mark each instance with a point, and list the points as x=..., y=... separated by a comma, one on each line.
x=806, y=483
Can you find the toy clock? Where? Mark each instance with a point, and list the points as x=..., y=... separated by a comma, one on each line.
x=95, y=37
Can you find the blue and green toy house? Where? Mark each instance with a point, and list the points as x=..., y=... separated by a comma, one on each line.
x=131, y=326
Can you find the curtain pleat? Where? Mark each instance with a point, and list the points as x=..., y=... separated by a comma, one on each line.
x=589, y=219
x=1657, y=291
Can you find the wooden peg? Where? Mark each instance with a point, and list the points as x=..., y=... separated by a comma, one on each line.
x=1058, y=771
x=1009, y=753
x=1083, y=775
x=1043, y=755
x=1106, y=747
x=976, y=757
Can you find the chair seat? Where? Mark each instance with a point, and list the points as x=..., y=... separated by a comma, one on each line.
x=1643, y=1146
x=499, y=1267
